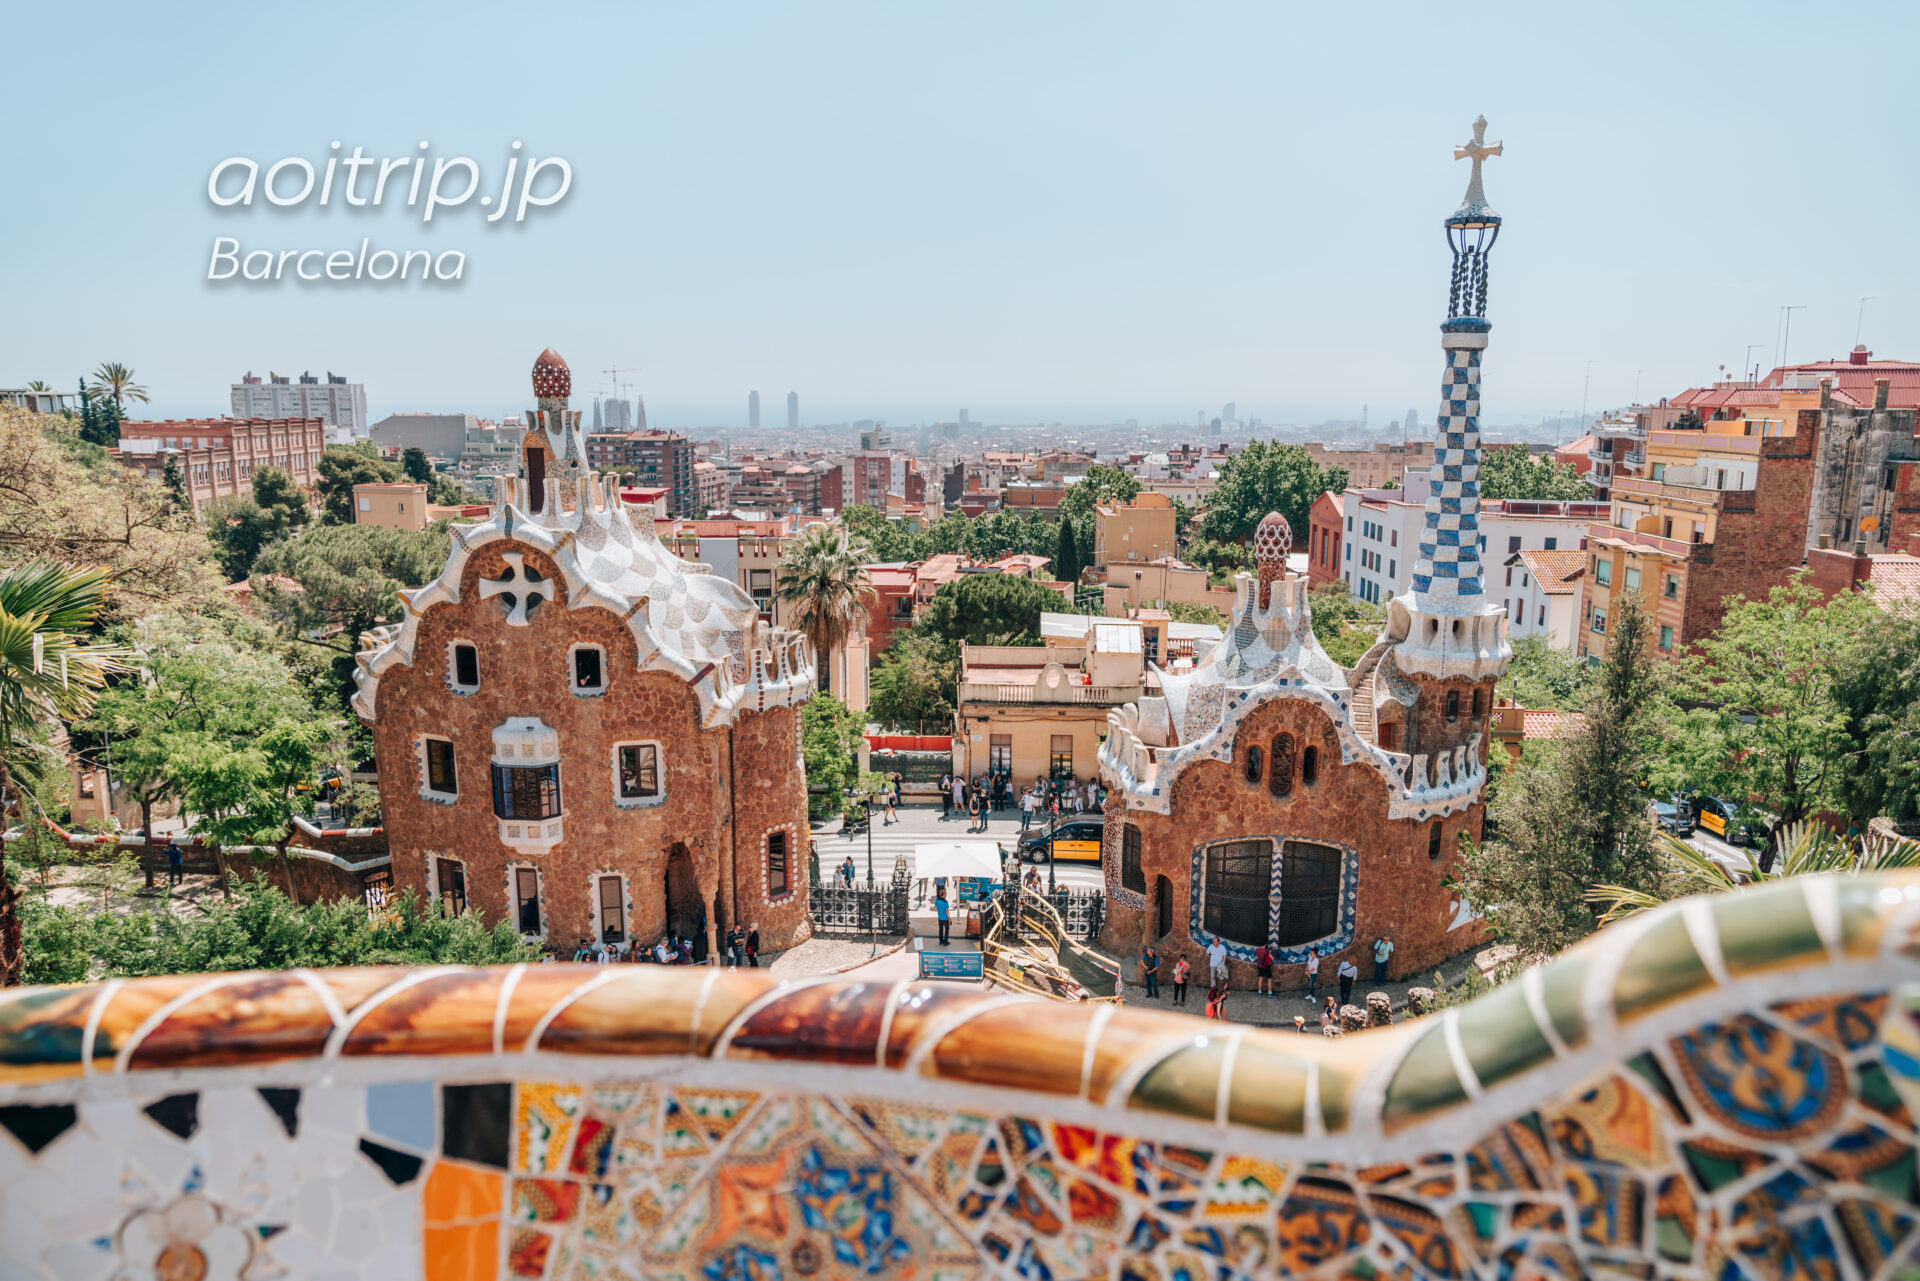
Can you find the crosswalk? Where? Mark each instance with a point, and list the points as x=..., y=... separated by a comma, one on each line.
x=891, y=841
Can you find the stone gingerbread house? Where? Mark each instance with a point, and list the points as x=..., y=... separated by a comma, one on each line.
x=581, y=733
x=1275, y=797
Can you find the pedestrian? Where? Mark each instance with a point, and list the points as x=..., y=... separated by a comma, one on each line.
x=893, y=814
x=736, y=944
x=1180, y=970
x=1347, y=973
x=1217, y=1003
x=973, y=811
x=940, y=911
x=986, y=806
x=1382, y=949
x=898, y=779
x=1217, y=964
x=1313, y=971
x=1300, y=1024
x=1026, y=809
x=1263, y=961
x=1150, y=972
x=1329, y=1016
x=176, y=863
x=662, y=954
x=753, y=944
x=1053, y=807
x=847, y=870
x=946, y=796
x=959, y=789
x=686, y=952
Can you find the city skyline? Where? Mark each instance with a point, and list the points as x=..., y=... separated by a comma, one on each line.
x=1095, y=267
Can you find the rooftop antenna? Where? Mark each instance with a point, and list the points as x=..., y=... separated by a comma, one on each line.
x=1786, y=337
x=1748, y=362
x=1860, y=317
x=1636, y=384
x=1584, y=384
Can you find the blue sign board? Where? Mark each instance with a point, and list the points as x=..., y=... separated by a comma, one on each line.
x=952, y=965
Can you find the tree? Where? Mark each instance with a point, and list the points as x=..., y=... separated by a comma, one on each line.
x=114, y=381
x=341, y=468
x=244, y=790
x=1102, y=486
x=1759, y=720
x=1878, y=690
x=823, y=575
x=49, y=671
x=65, y=499
x=1066, y=555
x=914, y=684
x=176, y=485
x=888, y=542
x=1543, y=678
x=99, y=419
x=415, y=464
x=1264, y=477
x=38, y=384
x=1571, y=814
x=1345, y=625
x=277, y=492
x=1187, y=611
x=989, y=609
x=1514, y=471
x=830, y=737
x=1182, y=523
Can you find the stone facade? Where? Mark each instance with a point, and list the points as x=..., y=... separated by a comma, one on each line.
x=670, y=760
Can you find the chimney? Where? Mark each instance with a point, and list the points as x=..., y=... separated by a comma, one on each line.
x=1859, y=355
x=1826, y=392
x=1880, y=389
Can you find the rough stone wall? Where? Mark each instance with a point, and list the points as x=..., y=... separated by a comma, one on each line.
x=1400, y=891
x=1431, y=732
x=524, y=671
x=769, y=793
x=1760, y=536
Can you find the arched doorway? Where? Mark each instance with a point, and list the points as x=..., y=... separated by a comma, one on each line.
x=686, y=916
x=1163, y=905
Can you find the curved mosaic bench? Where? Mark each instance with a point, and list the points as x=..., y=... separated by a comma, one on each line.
x=1725, y=1087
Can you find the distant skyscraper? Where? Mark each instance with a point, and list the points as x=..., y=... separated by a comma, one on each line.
x=1363, y=418
x=963, y=415
x=341, y=404
x=619, y=415
x=598, y=423
x=753, y=409
x=793, y=411
x=1199, y=418
x=1412, y=427
x=639, y=413
x=1230, y=414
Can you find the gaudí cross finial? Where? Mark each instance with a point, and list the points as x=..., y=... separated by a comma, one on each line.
x=523, y=588
x=1477, y=150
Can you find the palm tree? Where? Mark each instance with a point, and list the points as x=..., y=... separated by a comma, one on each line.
x=1807, y=848
x=38, y=384
x=48, y=672
x=824, y=574
x=116, y=380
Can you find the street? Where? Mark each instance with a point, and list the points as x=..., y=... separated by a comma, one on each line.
x=921, y=823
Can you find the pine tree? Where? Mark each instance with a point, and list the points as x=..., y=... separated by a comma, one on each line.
x=1066, y=556
x=176, y=484
x=88, y=429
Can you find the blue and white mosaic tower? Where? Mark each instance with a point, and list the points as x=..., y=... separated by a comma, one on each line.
x=1446, y=624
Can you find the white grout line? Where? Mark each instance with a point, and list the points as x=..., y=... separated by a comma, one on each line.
x=711, y=977
x=894, y=993
x=507, y=985
x=1823, y=905
x=336, y=1013
x=1224, y=1091
x=1102, y=1015
x=94, y=1011
x=1697, y=916
x=1534, y=988
x=1457, y=1051
x=339, y=1035
x=608, y=973
x=1316, y=1127
x=757, y=1004
x=167, y=1011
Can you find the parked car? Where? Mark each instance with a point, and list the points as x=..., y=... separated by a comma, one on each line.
x=1717, y=815
x=1670, y=817
x=1076, y=840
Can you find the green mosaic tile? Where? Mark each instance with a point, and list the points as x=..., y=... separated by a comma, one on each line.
x=1425, y=1080
x=1336, y=1098
x=1185, y=1083
x=1268, y=1091
x=1861, y=923
x=1500, y=1036
x=1764, y=928
x=1562, y=983
x=1663, y=965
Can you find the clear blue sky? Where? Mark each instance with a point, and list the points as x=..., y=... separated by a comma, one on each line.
x=1059, y=210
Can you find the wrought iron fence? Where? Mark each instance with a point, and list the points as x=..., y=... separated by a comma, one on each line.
x=913, y=767
x=1083, y=910
x=881, y=909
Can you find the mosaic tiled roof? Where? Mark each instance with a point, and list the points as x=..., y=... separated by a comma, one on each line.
x=1720, y=1081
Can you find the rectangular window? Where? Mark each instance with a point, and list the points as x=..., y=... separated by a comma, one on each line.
x=1132, y=875
x=1060, y=757
x=586, y=667
x=1633, y=578
x=1543, y=616
x=1666, y=638
x=1670, y=586
x=453, y=887
x=526, y=791
x=1393, y=538
x=1509, y=575
x=1239, y=883
x=1349, y=551
x=466, y=666
x=1393, y=568
x=1600, y=621
x=440, y=775
x=639, y=771
x=1603, y=572
x=776, y=863
x=1659, y=471
x=613, y=910
x=1513, y=543
x=1349, y=524
x=1000, y=754
x=1309, y=892
x=1552, y=543
x=526, y=893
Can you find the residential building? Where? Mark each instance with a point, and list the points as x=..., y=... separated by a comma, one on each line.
x=1373, y=468
x=1326, y=527
x=1165, y=640
x=218, y=456
x=1380, y=532
x=396, y=506
x=1542, y=595
x=896, y=597
x=437, y=435
x=1134, y=532
x=1157, y=583
x=1893, y=577
x=1038, y=498
x=40, y=402
x=579, y=734
x=709, y=488
x=341, y=405
x=662, y=458
x=1040, y=711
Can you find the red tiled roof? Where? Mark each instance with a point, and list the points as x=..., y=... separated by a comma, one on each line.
x=1856, y=381
x=1896, y=580
x=1547, y=724
x=1555, y=571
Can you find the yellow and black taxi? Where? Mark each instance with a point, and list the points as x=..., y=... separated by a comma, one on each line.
x=1717, y=815
x=1075, y=840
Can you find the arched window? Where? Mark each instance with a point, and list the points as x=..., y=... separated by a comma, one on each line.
x=1280, y=768
x=1309, y=892
x=1309, y=766
x=1433, y=843
x=1239, y=888
x=1253, y=765
x=1476, y=704
x=1453, y=705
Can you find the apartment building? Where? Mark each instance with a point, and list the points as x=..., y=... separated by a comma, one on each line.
x=1542, y=594
x=218, y=456
x=1380, y=535
x=652, y=458
x=1373, y=468
x=340, y=404
x=1134, y=532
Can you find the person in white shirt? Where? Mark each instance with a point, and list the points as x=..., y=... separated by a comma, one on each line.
x=1217, y=962
x=1027, y=805
x=1347, y=973
x=661, y=953
x=1313, y=972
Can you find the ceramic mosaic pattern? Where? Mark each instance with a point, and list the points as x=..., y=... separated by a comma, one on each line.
x=1724, y=1088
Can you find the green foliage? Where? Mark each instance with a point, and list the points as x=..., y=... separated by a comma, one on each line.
x=1514, y=471
x=914, y=684
x=114, y=382
x=1571, y=814
x=988, y=538
x=1265, y=476
x=1804, y=849
x=415, y=464
x=830, y=737
x=341, y=468
x=1542, y=678
x=1188, y=611
x=1758, y=718
x=99, y=419
x=259, y=929
x=1066, y=555
x=1878, y=692
x=1182, y=522
x=1345, y=625
x=989, y=609
x=823, y=575
x=175, y=484
x=1223, y=560
x=240, y=528
x=1102, y=486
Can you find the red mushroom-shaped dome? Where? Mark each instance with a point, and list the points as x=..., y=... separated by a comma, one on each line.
x=1272, y=540
x=552, y=380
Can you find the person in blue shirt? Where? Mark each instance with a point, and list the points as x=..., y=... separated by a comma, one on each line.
x=1150, y=973
x=940, y=910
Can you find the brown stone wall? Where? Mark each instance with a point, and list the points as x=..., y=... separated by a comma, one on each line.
x=1432, y=733
x=1760, y=537
x=1400, y=891
x=524, y=671
x=769, y=793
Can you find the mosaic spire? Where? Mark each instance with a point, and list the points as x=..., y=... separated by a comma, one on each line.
x=1447, y=578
